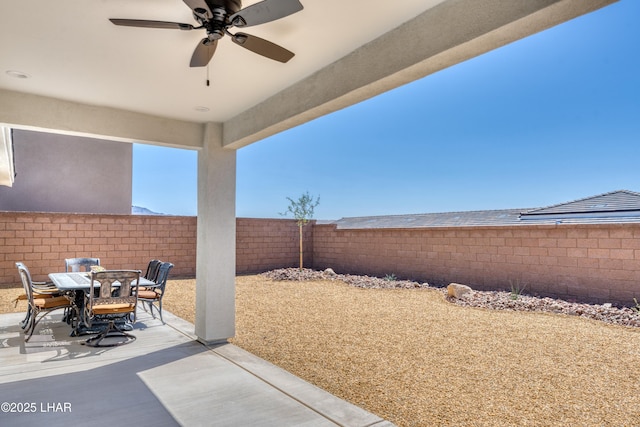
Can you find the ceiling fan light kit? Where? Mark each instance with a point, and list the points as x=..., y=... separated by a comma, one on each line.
x=217, y=17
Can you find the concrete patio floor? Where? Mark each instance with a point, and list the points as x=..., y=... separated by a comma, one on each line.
x=164, y=378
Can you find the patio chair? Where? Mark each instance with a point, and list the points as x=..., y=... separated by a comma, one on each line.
x=40, y=290
x=152, y=296
x=39, y=305
x=152, y=270
x=110, y=299
x=75, y=264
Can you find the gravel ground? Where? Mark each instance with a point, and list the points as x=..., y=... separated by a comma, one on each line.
x=404, y=352
x=496, y=300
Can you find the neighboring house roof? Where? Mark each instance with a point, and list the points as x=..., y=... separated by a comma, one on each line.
x=447, y=219
x=618, y=202
x=615, y=207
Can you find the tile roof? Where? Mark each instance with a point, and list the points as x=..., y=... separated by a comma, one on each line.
x=615, y=207
x=614, y=201
x=447, y=219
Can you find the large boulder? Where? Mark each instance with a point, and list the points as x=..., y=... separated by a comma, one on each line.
x=456, y=290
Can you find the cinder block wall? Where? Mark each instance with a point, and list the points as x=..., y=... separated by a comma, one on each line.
x=267, y=244
x=43, y=240
x=597, y=263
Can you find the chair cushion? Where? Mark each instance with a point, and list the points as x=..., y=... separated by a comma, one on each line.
x=39, y=295
x=148, y=294
x=51, y=302
x=113, y=308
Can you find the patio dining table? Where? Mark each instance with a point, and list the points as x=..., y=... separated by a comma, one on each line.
x=73, y=281
x=80, y=283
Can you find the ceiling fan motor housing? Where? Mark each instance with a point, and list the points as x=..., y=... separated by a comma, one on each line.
x=231, y=6
x=217, y=24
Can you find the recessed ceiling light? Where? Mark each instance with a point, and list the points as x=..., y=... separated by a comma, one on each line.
x=18, y=74
x=201, y=109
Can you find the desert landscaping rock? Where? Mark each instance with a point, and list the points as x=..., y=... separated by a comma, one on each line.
x=456, y=290
x=329, y=272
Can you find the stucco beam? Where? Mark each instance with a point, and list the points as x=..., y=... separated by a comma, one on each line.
x=33, y=112
x=445, y=35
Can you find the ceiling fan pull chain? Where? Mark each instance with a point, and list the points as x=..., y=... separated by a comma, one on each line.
x=207, y=74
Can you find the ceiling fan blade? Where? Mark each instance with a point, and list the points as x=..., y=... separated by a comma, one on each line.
x=200, y=8
x=265, y=11
x=262, y=47
x=203, y=53
x=151, y=24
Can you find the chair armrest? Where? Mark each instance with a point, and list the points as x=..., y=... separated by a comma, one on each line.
x=144, y=287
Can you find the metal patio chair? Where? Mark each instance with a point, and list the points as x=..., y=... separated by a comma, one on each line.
x=76, y=264
x=151, y=297
x=40, y=290
x=40, y=301
x=110, y=299
x=152, y=270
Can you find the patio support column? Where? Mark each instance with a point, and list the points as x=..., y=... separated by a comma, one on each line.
x=216, y=245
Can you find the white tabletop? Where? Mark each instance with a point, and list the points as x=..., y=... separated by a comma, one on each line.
x=74, y=281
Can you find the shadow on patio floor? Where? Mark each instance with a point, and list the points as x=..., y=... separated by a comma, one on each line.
x=164, y=378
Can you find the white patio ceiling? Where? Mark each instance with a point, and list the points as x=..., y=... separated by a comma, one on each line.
x=88, y=76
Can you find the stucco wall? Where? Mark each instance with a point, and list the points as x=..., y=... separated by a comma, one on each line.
x=61, y=173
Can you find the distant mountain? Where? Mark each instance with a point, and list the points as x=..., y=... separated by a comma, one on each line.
x=137, y=210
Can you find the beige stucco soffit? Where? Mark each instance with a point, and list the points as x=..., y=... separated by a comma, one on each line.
x=26, y=111
x=449, y=33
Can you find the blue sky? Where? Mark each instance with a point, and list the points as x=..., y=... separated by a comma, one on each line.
x=548, y=119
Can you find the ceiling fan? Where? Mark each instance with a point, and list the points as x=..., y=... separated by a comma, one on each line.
x=217, y=16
